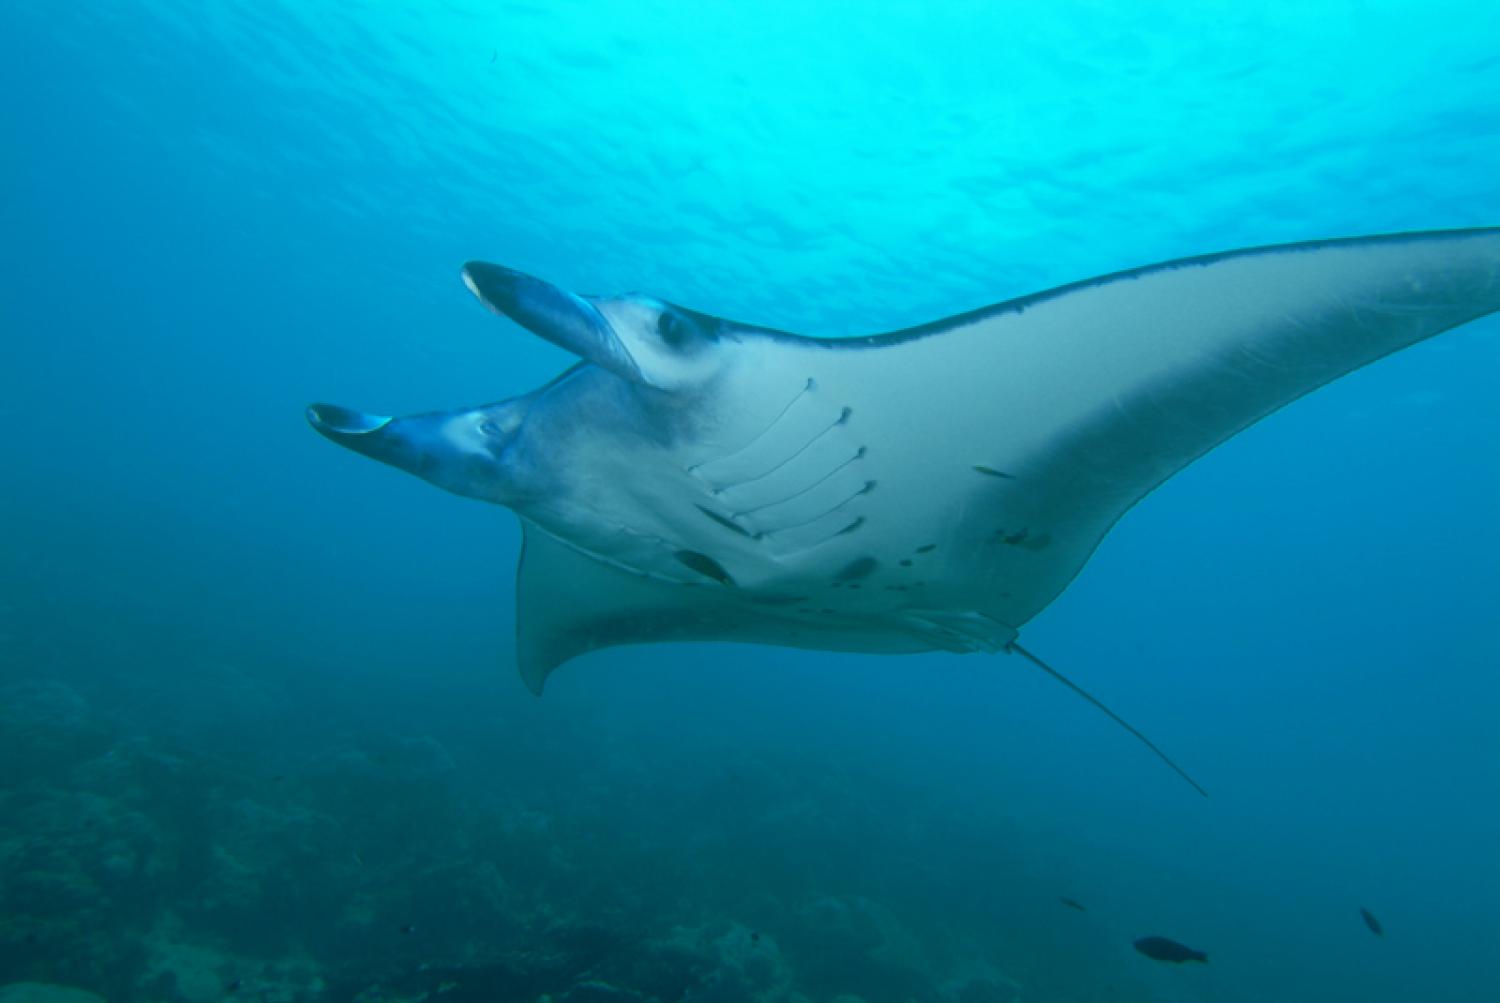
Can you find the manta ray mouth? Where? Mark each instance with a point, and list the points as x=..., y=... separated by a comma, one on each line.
x=338, y=422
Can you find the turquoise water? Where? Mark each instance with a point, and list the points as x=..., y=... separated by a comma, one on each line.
x=262, y=732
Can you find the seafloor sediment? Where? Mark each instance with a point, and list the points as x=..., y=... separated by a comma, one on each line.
x=149, y=854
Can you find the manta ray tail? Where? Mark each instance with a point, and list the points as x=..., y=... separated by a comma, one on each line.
x=1117, y=719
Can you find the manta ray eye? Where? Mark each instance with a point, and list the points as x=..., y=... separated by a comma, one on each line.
x=673, y=329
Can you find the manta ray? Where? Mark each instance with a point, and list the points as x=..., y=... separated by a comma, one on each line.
x=694, y=478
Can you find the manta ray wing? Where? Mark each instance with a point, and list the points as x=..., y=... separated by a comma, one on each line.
x=1066, y=408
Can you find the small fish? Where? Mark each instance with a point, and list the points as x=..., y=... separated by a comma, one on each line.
x=233, y=986
x=1071, y=903
x=408, y=929
x=755, y=938
x=1163, y=949
x=1371, y=922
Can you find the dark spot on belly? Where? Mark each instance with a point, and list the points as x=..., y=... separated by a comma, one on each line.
x=1024, y=539
x=705, y=566
x=727, y=523
x=856, y=569
x=992, y=472
x=927, y=548
x=777, y=600
x=906, y=562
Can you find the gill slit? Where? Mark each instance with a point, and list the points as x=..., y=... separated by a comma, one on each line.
x=864, y=489
x=858, y=454
x=807, y=388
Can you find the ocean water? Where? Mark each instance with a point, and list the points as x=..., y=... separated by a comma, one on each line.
x=261, y=733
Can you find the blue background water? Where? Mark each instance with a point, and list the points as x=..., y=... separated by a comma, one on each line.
x=236, y=659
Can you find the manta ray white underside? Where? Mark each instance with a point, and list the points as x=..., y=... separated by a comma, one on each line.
x=694, y=478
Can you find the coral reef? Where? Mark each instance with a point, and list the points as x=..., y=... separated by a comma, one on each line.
x=147, y=856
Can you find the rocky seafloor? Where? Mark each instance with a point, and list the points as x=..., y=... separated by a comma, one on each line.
x=152, y=852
